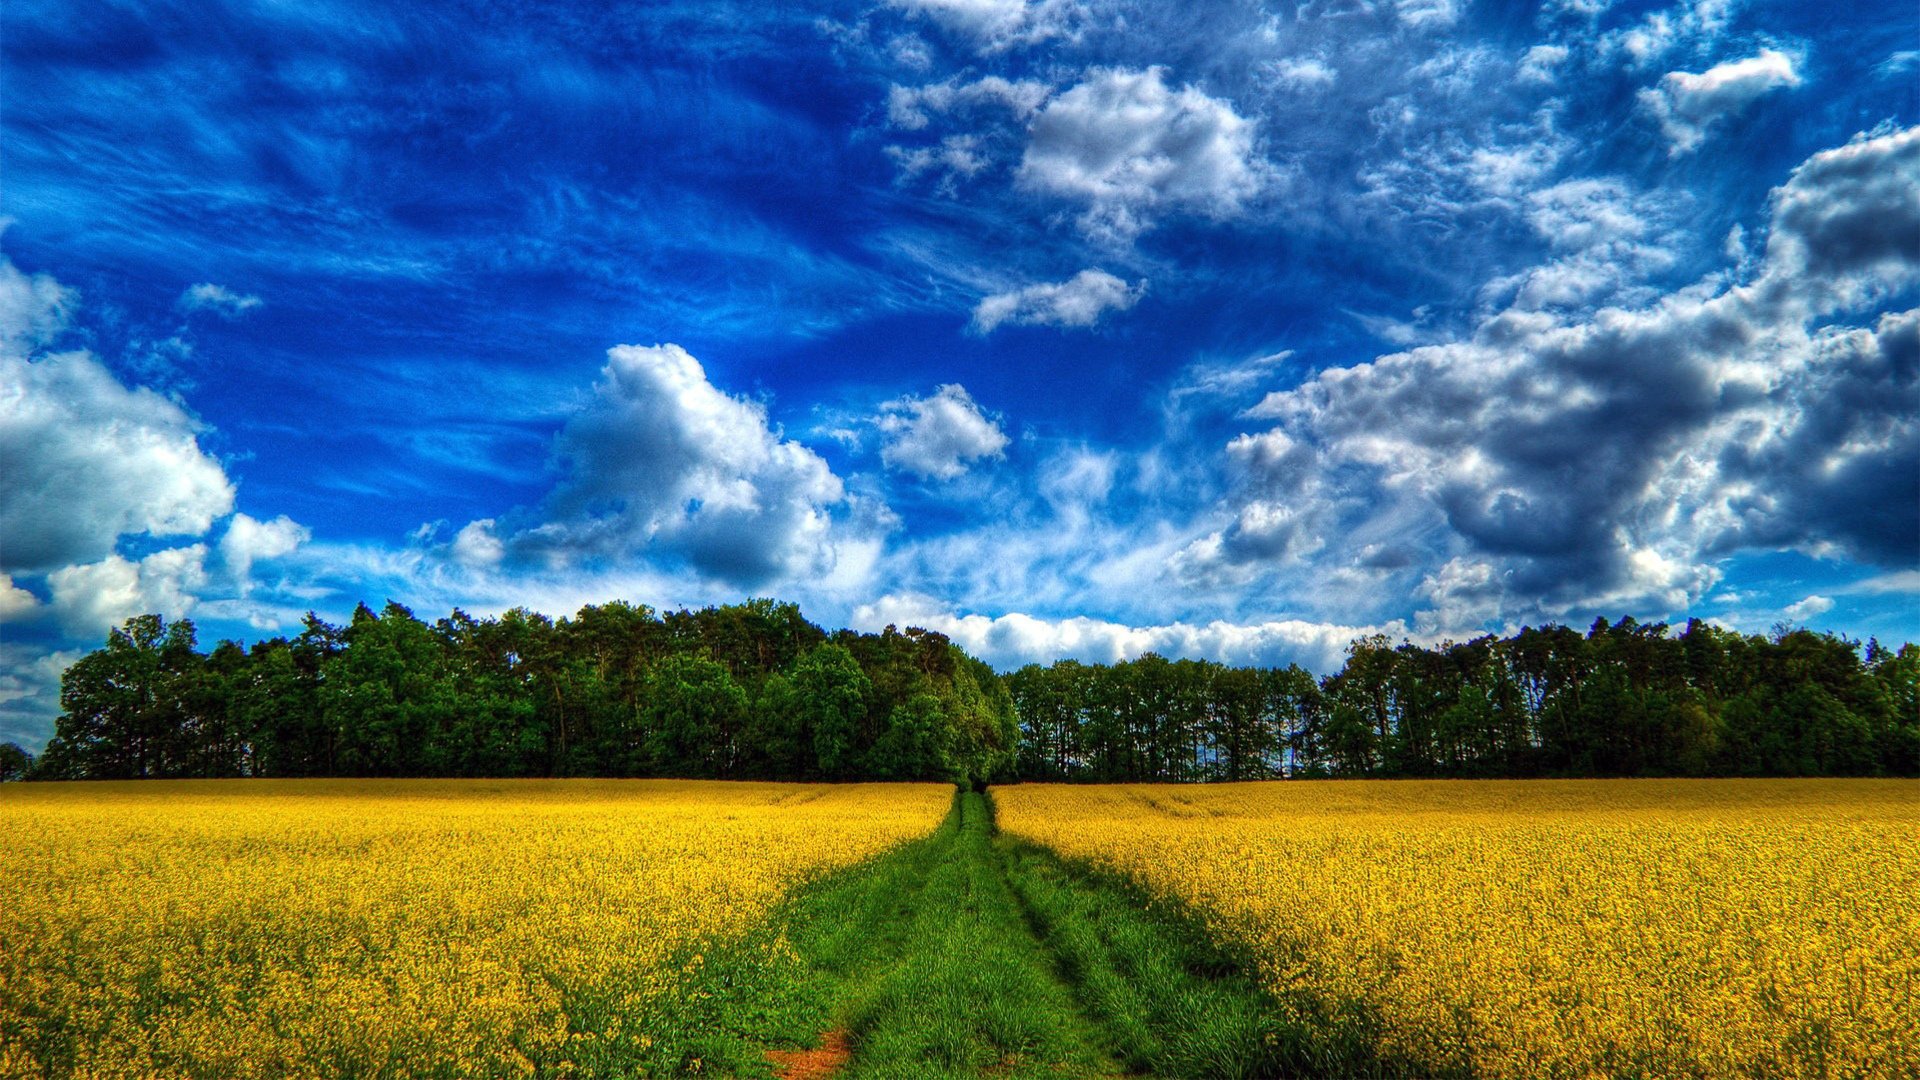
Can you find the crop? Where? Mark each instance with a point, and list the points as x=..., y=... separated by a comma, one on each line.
x=1556, y=928
x=448, y=928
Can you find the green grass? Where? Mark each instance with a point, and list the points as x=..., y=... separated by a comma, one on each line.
x=967, y=953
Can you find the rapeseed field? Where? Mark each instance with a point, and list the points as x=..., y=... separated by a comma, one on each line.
x=372, y=928
x=1568, y=929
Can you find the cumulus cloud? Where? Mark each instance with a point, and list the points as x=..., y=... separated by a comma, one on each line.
x=218, y=299
x=938, y=437
x=661, y=461
x=1610, y=459
x=1688, y=105
x=248, y=540
x=996, y=25
x=91, y=598
x=476, y=544
x=1011, y=640
x=1079, y=301
x=1131, y=148
x=84, y=459
x=16, y=603
x=1804, y=609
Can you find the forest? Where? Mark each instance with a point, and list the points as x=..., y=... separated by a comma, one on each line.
x=755, y=691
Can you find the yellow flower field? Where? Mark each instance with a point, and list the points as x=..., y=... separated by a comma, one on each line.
x=1576, y=928
x=448, y=928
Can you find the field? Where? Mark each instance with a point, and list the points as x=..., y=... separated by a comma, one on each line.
x=648, y=928
x=365, y=928
x=1578, y=928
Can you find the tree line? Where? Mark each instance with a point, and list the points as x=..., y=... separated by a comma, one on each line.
x=755, y=691
x=746, y=691
x=1625, y=699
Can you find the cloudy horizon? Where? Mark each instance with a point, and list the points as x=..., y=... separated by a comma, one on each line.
x=1065, y=327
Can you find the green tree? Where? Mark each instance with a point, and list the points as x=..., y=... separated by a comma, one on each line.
x=693, y=718
x=15, y=762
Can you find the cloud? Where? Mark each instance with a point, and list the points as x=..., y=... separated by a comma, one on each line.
x=1301, y=73
x=34, y=309
x=956, y=156
x=1424, y=14
x=1132, y=149
x=1802, y=610
x=30, y=691
x=938, y=437
x=1550, y=461
x=15, y=603
x=477, y=545
x=84, y=459
x=663, y=462
x=1689, y=105
x=1899, y=581
x=218, y=299
x=1542, y=64
x=1693, y=25
x=248, y=540
x=1079, y=301
x=996, y=25
x=91, y=598
x=1014, y=639
x=911, y=108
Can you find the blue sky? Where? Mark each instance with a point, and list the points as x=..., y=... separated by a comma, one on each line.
x=1069, y=327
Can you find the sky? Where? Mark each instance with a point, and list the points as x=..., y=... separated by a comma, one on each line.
x=1066, y=327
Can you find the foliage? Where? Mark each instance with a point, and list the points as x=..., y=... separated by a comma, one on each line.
x=15, y=762
x=755, y=691
x=745, y=691
x=1557, y=928
x=1626, y=699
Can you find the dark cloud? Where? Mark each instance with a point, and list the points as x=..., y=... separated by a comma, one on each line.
x=1613, y=458
x=663, y=463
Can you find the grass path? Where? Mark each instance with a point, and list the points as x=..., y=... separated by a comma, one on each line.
x=969, y=954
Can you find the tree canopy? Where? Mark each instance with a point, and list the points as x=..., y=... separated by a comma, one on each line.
x=755, y=691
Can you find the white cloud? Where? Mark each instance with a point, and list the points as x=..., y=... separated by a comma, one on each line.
x=1899, y=581
x=1692, y=25
x=663, y=461
x=84, y=459
x=961, y=155
x=33, y=310
x=912, y=108
x=1131, y=149
x=1802, y=610
x=1079, y=301
x=248, y=540
x=91, y=598
x=218, y=299
x=477, y=545
x=1013, y=639
x=15, y=603
x=1542, y=63
x=938, y=437
x=1425, y=14
x=1301, y=73
x=996, y=25
x=1689, y=105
